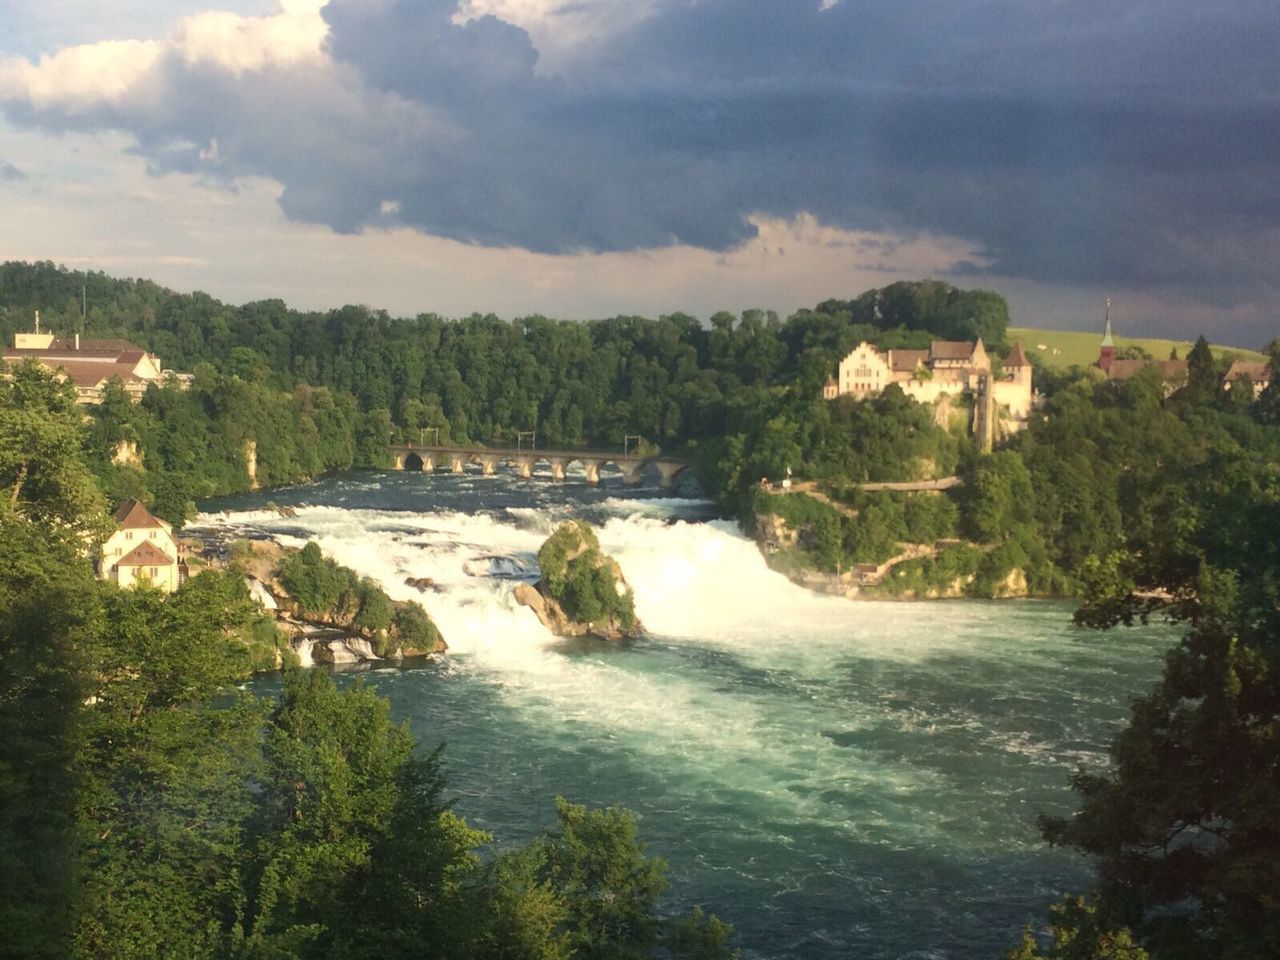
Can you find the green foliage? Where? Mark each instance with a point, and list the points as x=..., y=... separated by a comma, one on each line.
x=1078, y=934
x=43, y=476
x=335, y=594
x=932, y=306
x=414, y=629
x=597, y=864
x=578, y=576
x=48, y=608
x=951, y=572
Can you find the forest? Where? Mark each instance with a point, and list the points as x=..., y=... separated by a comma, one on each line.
x=1141, y=502
x=152, y=808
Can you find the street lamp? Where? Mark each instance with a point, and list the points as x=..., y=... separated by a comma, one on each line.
x=628, y=438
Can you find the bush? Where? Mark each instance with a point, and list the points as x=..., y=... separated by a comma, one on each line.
x=578, y=576
x=413, y=629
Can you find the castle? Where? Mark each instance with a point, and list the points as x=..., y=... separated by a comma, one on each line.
x=948, y=370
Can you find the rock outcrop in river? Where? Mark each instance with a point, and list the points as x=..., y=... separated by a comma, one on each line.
x=582, y=592
x=332, y=615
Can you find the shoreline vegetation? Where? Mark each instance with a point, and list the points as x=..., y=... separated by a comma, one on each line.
x=330, y=614
x=152, y=808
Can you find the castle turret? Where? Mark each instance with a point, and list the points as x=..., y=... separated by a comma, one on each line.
x=1017, y=364
x=1107, y=349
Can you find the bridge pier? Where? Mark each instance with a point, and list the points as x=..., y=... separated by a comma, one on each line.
x=557, y=468
x=399, y=464
x=487, y=465
x=457, y=463
x=524, y=466
x=668, y=471
x=592, y=467
x=631, y=472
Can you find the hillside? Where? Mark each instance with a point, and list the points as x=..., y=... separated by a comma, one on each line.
x=1060, y=349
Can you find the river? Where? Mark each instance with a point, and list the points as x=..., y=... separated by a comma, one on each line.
x=835, y=779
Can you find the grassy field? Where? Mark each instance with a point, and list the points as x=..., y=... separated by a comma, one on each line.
x=1063, y=348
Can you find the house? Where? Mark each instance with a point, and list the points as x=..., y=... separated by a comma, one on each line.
x=948, y=369
x=142, y=549
x=1257, y=372
x=90, y=364
x=1172, y=372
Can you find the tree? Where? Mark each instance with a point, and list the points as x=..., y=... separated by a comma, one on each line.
x=1078, y=934
x=1202, y=372
x=1183, y=826
x=597, y=865
x=43, y=476
x=47, y=608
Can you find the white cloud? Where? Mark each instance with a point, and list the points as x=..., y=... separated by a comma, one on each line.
x=239, y=44
x=80, y=76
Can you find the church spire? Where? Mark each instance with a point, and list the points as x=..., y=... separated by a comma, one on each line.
x=1107, y=349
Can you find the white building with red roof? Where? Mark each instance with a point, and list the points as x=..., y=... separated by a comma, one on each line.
x=142, y=549
x=1256, y=372
x=90, y=364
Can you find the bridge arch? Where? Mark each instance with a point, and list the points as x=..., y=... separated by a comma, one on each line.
x=412, y=463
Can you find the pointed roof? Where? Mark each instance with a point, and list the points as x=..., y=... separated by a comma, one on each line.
x=1016, y=357
x=132, y=515
x=1259, y=371
x=145, y=554
x=1107, y=339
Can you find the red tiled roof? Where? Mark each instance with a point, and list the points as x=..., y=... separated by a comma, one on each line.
x=1169, y=369
x=905, y=361
x=80, y=373
x=1016, y=357
x=1259, y=371
x=145, y=554
x=951, y=349
x=131, y=356
x=87, y=373
x=132, y=515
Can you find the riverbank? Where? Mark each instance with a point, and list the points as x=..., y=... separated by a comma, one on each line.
x=943, y=570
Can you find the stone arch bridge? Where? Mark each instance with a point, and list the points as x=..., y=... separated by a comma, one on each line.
x=413, y=457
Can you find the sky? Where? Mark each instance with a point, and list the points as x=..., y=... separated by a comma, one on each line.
x=585, y=158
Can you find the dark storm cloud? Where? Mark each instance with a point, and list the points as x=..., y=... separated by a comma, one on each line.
x=1086, y=143
x=1083, y=143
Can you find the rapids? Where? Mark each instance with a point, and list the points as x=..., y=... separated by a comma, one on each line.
x=836, y=779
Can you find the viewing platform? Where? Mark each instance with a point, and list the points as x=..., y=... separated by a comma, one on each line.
x=415, y=457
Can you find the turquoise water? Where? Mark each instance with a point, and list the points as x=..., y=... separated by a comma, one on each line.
x=836, y=779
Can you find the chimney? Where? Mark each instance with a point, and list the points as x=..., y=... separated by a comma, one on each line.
x=77, y=341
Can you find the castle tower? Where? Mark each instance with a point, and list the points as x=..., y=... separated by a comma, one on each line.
x=1107, y=349
x=1017, y=364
